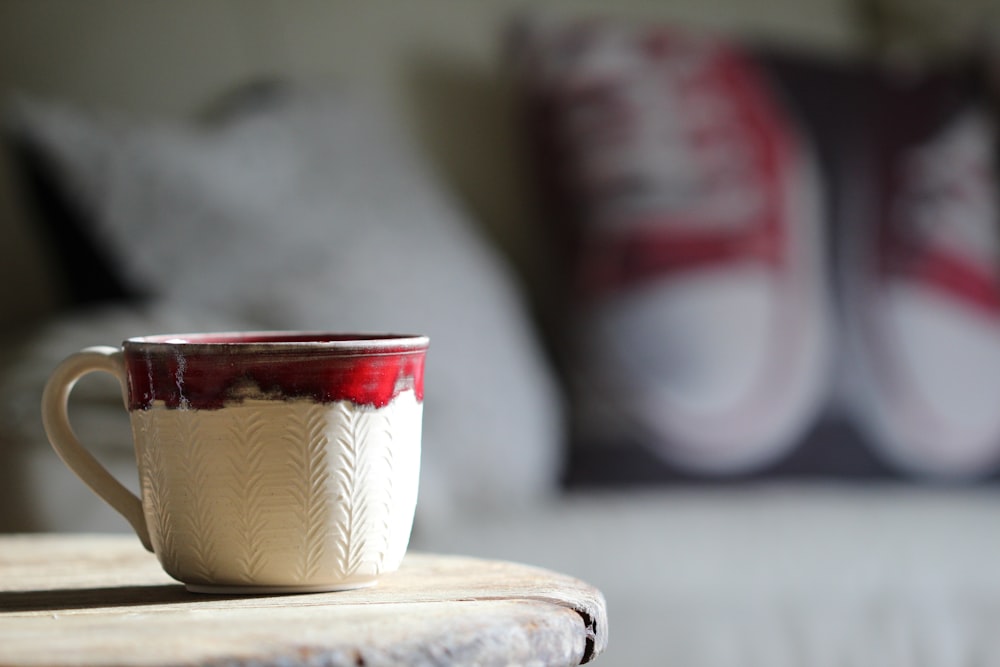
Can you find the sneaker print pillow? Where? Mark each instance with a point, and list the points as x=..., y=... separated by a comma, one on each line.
x=705, y=213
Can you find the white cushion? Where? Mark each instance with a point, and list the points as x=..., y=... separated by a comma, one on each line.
x=308, y=211
x=797, y=575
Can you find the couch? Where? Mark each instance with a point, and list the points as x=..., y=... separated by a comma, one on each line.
x=175, y=166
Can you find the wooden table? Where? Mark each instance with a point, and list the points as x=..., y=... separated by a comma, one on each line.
x=89, y=600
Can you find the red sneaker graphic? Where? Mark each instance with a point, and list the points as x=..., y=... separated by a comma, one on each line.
x=703, y=325
x=928, y=305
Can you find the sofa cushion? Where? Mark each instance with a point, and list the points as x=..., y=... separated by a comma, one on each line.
x=778, y=574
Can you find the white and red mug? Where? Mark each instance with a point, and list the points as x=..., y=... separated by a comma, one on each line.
x=268, y=462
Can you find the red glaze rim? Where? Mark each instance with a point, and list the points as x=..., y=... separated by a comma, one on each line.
x=207, y=371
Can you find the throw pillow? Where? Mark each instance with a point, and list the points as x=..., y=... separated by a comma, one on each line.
x=308, y=210
x=701, y=196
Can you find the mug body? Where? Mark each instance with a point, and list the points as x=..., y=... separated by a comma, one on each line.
x=276, y=461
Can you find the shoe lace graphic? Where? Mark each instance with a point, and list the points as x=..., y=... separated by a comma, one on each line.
x=943, y=223
x=677, y=156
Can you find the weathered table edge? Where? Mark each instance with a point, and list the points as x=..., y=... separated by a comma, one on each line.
x=565, y=591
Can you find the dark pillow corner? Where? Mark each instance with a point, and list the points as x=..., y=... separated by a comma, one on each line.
x=87, y=274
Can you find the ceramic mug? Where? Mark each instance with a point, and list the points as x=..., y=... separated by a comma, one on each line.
x=268, y=462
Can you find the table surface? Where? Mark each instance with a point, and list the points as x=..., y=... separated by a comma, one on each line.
x=101, y=599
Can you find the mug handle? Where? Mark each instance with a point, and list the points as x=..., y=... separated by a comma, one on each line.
x=55, y=418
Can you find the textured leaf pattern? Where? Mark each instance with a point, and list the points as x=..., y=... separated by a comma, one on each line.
x=363, y=479
x=273, y=491
x=156, y=492
x=247, y=488
x=193, y=472
x=307, y=440
x=383, y=491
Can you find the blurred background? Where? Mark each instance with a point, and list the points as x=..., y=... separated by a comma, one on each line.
x=713, y=288
x=440, y=63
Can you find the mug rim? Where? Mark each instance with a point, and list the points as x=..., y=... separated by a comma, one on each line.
x=277, y=340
